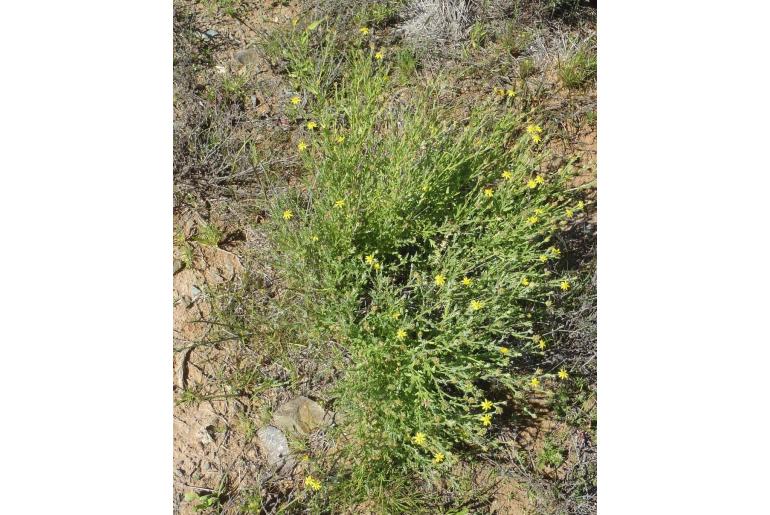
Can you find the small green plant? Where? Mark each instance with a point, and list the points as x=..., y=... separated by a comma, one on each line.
x=406, y=63
x=228, y=7
x=515, y=39
x=253, y=503
x=208, y=234
x=379, y=13
x=185, y=249
x=247, y=426
x=188, y=396
x=477, y=35
x=298, y=444
x=186, y=255
x=264, y=413
x=527, y=68
x=579, y=69
x=233, y=87
x=550, y=455
x=205, y=499
x=203, y=502
x=309, y=53
x=590, y=118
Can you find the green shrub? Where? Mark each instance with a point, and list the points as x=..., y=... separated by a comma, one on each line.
x=424, y=247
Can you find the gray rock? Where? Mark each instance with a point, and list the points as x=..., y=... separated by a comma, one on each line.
x=250, y=57
x=275, y=448
x=178, y=265
x=205, y=434
x=300, y=415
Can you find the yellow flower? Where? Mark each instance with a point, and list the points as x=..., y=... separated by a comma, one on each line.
x=539, y=179
x=295, y=100
x=536, y=138
x=379, y=55
x=532, y=220
x=563, y=374
x=555, y=252
x=302, y=146
x=400, y=335
x=288, y=214
x=395, y=315
x=510, y=92
x=339, y=203
x=488, y=192
x=580, y=205
x=467, y=281
x=476, y=305
x=535, y=382
x=569, y=213
x=486, y=419
x=564, y=285
x=486, y=405
x=376, y=266
x=539, y=211
x=525, y=281
x=504, y=350
x=364, y=30
x=499, y=91
x=440, y=280
x=438, y=458
x=419, y=438
x=314, y=238
x=369, y=259
x=532, y=184
x=313, y=483
x=541, y=344
x=533, y=130
x=543, y=258
x=507, y=175
x=340, y=139
x=311, y=125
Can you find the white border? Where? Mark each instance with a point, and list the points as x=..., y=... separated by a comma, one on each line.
x=86, y=291
x=683, y=224
x=86, y=95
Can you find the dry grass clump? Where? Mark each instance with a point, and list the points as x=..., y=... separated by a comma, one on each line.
x=437, y=21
